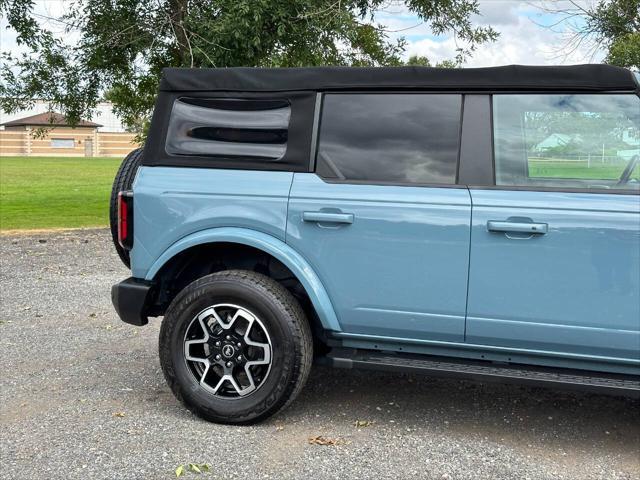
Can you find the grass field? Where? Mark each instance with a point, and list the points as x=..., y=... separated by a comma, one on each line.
x=581, y=170
x=49, y=192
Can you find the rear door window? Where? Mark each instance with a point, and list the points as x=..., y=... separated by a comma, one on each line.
x=397, y=138
x=567, y=141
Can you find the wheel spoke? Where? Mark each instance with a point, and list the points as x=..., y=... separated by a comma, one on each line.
x=206, y=314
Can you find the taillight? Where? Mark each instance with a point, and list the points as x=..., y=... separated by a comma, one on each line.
x=125, y=219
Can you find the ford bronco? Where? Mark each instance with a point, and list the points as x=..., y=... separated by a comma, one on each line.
x=478, y=223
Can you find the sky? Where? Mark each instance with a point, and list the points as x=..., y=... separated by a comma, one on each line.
x=527, y=34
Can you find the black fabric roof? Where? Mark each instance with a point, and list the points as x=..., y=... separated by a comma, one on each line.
x=247, y=79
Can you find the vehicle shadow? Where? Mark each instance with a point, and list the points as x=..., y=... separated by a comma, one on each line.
x=522, y=415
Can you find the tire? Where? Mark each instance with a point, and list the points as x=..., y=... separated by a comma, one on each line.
x=274, y=310
x=123, y=181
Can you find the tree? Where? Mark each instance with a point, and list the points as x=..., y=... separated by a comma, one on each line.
x=617, y=26
x=122, y=45
x=422, y=61
x=613, y=25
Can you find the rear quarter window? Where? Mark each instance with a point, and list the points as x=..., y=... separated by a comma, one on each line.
x=229, y=128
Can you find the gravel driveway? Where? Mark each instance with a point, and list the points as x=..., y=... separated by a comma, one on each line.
x=82, y=397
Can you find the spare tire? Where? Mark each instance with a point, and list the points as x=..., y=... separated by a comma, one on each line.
x=123, y=181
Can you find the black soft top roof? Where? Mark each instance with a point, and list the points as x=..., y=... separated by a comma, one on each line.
x=512, y=77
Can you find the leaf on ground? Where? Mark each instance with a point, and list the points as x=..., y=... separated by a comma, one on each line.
x=180, y=471
x=362, y=423
x=92, y=315
x=205, y=467
x=321, y=440
x=194, y=468
x=119, y=414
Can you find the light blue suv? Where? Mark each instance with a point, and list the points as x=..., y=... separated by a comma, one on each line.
x=481, y=223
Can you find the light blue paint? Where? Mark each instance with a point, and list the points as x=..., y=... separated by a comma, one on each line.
x=575, y=289
x=400, y=269
x=395, y=275
x=267, y=243
x=171, y=203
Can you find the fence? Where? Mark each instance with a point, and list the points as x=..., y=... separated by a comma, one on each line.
x=66, y=142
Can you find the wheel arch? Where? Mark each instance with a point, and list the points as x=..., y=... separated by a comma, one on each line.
x=267, y=244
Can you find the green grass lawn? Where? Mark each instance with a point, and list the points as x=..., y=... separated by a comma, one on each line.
x=560, y=169
x=50, y=192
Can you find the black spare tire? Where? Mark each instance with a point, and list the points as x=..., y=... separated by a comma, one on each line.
x=123, y=181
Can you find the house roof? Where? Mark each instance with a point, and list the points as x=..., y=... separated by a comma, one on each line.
x=47, y=119
x=511, y=77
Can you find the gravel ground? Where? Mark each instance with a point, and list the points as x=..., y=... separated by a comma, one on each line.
x=82, y=397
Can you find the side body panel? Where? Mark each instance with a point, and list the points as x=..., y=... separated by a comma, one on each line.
x=573, y=290
x=171, y=203
x=400, y=268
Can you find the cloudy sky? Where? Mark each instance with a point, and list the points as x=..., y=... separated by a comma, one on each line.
x=528, y=33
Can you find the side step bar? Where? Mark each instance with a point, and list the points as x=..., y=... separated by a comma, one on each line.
x=627, y=385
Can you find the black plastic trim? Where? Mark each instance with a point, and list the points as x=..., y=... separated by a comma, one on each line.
x=317, y=113
x=391, y=184
x=295, y=159
x=616, y=384
x=130, y=299
x=476, y=146
x=521, y=188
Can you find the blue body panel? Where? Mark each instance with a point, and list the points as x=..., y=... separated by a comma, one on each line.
x=400, y=269
x=573, y=290
x=415, y=268
x=171, y=203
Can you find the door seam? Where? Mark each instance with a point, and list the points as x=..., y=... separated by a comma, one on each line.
x=286, y=220
x=466, y=306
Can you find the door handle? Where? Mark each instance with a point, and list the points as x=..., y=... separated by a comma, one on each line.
x=327, y=217
x=517, y=227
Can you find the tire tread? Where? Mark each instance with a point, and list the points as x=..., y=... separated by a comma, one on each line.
x=296, y=321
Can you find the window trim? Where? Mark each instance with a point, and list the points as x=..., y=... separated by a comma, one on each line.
x=537, y=188
x=298, y=143
x=316, y=137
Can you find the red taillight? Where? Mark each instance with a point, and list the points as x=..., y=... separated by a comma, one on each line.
x=125, y=219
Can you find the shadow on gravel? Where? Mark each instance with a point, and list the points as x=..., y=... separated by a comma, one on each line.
x=522, y=414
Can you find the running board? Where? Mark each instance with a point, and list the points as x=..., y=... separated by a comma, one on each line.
x=627, y=385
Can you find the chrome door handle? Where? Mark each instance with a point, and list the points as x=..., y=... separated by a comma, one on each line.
x=517, y=227
x=327, y=217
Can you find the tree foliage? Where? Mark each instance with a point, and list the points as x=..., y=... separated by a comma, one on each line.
x=617, y=25
x=613, y=25
x=117, y=48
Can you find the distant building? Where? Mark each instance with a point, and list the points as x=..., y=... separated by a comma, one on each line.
x=631, y=137
x=553, y=141
x=104, y=115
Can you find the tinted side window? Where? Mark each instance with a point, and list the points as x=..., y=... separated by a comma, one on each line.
x=396, y=138
x=567, y=141
x=229, y=128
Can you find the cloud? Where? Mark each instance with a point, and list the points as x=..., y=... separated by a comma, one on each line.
x=525, y=36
